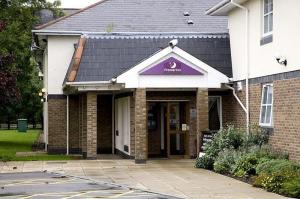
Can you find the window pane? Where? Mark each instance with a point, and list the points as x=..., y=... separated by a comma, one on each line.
x=266, y=2
x=270, y=94
x=266, y=24
x=265, y=93
x=263, y=114
x=271, y=6
x=271, y=22
x=268, y=116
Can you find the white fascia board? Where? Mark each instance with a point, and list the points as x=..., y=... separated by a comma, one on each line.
x=223, y=8
x=211, y=78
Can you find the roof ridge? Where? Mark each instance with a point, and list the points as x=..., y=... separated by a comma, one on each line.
x=67, y=16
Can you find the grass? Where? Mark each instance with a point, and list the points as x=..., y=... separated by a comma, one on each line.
x=12, y=141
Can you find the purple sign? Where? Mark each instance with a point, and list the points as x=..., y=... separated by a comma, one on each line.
x=171, y=66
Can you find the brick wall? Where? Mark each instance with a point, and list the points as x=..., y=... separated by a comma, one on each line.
x=286, y=117
x=91, y=120
x=57, y=121
x=286, y=113
x=74, y=131
x=141, y=144
x=202, y=113
x=83, y=124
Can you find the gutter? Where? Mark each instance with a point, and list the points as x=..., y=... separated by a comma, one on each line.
x=237, y=98
x=87, y=83
x=217, y=7
x=66, y=32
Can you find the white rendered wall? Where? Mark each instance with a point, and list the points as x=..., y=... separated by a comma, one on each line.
x=60, y=52
x=286, y=40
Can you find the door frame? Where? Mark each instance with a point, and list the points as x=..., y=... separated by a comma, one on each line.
x=168, y=134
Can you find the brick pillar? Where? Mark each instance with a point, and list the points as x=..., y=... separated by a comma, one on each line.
x=91, y=122
x=140, y=116
x=202, y=114
x=83, y=124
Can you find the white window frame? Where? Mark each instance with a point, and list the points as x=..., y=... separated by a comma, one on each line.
x=264, y=124
x=265, y=34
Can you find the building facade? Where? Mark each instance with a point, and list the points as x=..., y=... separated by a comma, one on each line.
x=147, y=78
x=264, y=48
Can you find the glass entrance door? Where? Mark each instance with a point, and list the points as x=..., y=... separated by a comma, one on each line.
x=177, y=128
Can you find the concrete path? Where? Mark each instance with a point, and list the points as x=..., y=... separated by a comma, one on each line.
x=172, y=177
x=52, y=185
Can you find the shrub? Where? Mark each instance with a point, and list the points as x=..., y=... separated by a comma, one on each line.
x=291, y=188
x=226, y=160
x=276, y=165
x=245, y=166
x=258, y=137
x=227, y=138
x=205, y=162
x=282, y=181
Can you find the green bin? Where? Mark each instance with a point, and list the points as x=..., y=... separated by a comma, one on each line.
x=22, y=125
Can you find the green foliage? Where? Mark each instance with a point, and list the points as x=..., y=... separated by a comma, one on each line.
x=226, y=160
x=205, y=162
x=245, y=166
x=12, y=141
x=276, y=165
x=228, y=138
x=291, y=188
x=281, y=181
x=257, y=137
x=17, y=70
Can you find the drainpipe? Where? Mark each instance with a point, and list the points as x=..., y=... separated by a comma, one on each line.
x=67, y=124
x=237, y=98
x=246, y=60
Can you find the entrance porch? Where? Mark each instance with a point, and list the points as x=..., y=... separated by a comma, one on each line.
x=139, y=123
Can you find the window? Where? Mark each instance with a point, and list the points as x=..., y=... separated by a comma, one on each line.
x=267, y=17
x=266, y=110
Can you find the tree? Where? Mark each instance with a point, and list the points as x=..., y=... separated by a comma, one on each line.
x=19, y=85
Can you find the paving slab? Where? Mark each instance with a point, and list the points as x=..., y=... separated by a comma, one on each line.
x=178, y=178
x=54, y=185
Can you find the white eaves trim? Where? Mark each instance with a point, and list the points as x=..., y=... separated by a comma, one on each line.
x=211, y=78
x=222, y=8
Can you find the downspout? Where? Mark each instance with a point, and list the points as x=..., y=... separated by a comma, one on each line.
x=67, y=124
x=246, y=61
x=237, y=98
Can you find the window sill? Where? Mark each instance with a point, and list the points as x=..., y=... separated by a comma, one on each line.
x=266, y=40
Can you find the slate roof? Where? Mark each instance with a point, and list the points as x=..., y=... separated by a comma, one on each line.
x=142, y=16
x=105, y=58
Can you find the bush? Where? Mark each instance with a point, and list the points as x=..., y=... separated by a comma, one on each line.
x=226, y=160
x=276, y=165
x=258, y=137
x=228, y=138
x=245, y=166
x=205, y=162
x=282, y=181
x=291, y=188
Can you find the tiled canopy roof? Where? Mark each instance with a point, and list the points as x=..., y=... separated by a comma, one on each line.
x=104, y=58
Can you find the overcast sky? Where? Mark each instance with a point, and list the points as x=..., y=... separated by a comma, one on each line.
x=76, y=3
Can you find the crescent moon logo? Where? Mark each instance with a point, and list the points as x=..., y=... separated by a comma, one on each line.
x=173, y=65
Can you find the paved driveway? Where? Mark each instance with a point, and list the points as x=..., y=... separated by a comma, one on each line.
x=172, y=177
